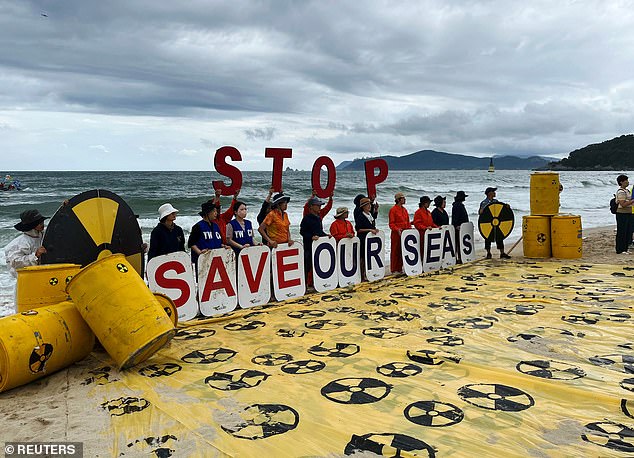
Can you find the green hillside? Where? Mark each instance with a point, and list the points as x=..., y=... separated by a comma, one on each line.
x=615, y=154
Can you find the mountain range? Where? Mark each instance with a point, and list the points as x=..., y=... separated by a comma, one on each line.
x=437, y=160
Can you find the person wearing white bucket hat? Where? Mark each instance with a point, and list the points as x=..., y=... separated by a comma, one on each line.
x=166, y=237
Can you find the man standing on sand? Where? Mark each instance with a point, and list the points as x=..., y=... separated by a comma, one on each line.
x=311, y=228
x=490, y=193
x=398, y=219
x=623, y=215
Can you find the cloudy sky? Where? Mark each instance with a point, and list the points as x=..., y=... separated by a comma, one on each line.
x=157, y=85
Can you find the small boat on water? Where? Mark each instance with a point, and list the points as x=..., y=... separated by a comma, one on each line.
x=10, y=184
x=491, y=166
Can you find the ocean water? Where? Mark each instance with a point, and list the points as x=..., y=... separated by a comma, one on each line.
x=585, y=193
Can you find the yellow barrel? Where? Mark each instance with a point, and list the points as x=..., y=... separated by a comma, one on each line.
x=169, y=307
x=536, y=236
x=566, y=236
x=43, y=285
x=544, y=193
x=123, y=313
x=39, y=342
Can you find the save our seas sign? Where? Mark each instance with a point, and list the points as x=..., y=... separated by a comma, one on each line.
x=255, y=274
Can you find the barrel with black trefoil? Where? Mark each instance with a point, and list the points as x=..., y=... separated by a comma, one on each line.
x=566, y=236
x=125, y=316
x=36, y=343
x=544, y=193
x=38, y=286
x=536, y=236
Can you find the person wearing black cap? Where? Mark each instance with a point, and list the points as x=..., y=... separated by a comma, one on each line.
x=439, y=214
x=490, y=193
x=26, y=249
x=423, y=219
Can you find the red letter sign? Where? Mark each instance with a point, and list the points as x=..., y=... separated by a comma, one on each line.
x=371, y=179
x=278, y=155
x=332, y=176
x=231, y=172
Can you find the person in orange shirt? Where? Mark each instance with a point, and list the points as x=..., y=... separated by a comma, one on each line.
x=422, y=218
x=275, y=228
x=341, y=227
x=398, y=219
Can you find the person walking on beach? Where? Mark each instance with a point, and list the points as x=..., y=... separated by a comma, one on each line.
x=623, y=215
x=240, y=230
x=26, y=249
x=490, y=198
x=275, y=228
x=205, y=234
x=166, y=237
x=459, y=216
x=439, y=214
x=311, y=228
x=341, y=228
x=398, y=219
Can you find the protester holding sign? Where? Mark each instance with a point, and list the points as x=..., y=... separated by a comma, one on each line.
x=266, y=206
x=341, y=227
x=240, y=230
x=222, y=219
x=166, y=237
x=439, y=214
x=422, y=218
x=323, y=212
x=398, y=219
x=459, y=215
x=311, y=228
x=490, y=193
x=276, y=226
x=205, y=234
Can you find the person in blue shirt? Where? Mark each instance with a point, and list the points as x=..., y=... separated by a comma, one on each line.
x=240, y=229
x=205, y=234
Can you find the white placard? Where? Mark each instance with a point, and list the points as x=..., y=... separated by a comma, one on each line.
x=349, y=261
x=325, y=264
x=287, y=266
x=411, y=252
x=217, y=283
x=172, y=274
x=466, y=243
x=449, y=246
x=432, y=242
x=374, y=256
x=254, y=276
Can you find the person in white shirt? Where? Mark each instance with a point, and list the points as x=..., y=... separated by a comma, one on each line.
x=26, y=249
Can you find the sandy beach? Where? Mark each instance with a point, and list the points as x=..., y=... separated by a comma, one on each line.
x=56, y=408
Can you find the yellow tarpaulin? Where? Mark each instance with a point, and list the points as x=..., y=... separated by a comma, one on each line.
x=514, y=359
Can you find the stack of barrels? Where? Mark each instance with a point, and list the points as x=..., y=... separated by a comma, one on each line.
x=62, y=308
x=546, y=232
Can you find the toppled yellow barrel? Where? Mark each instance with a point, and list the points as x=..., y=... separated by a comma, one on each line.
x=38, y=286
x=169, y=307
x=39, y=342
x=123, y=313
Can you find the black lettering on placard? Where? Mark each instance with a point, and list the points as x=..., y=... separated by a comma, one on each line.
x=374, y=253
x=467, y=244
x=430, y=246
x=319, y=271
x=409, y=243
x=342, y=261
x=447, y=245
